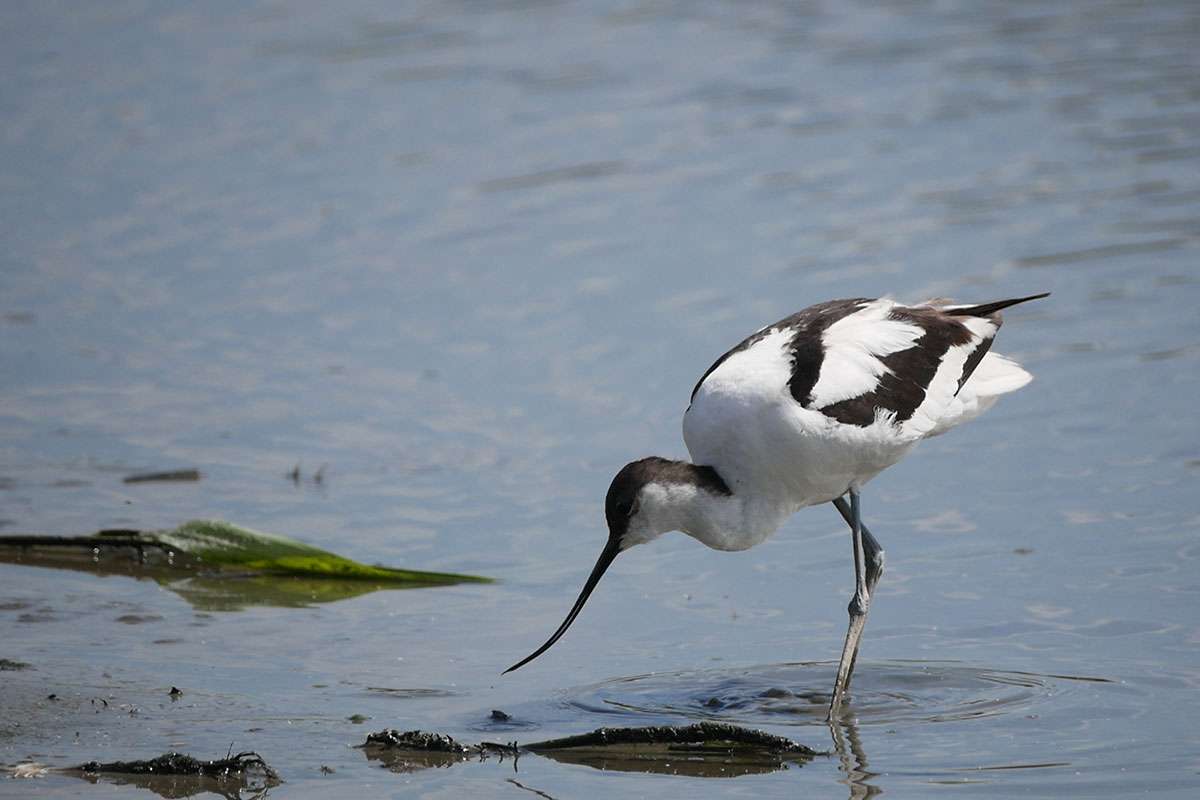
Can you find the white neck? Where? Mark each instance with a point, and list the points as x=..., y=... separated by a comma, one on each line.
x=720, y=521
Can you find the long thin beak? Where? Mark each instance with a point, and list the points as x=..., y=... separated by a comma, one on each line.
x=611, y=550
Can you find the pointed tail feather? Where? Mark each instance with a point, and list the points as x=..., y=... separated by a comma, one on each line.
x=987, y=309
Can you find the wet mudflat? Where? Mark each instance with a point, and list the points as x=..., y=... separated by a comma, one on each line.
x=410, y=284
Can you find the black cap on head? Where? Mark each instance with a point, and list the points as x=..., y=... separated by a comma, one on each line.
x=621, y=503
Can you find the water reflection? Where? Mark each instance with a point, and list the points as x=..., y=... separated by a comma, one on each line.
x=408, y=761
x=693, y=762
x=236, y=594
x=704, y=750
x=234, y=787
x=215, y=593
x=885, y=694
x=852, y=757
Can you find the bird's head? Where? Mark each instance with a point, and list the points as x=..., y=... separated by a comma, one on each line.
x=637, y=499
x=630, y=509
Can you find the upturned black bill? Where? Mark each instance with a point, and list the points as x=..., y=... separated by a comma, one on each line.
x=611, y=550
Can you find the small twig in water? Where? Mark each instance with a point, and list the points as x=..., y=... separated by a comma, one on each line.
x=519, y=785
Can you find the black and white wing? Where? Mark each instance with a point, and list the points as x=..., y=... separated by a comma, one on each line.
x=919, y=369
x=907, y=366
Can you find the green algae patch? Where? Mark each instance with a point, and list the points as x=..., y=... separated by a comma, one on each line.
x=231, y=547
x=213, y=549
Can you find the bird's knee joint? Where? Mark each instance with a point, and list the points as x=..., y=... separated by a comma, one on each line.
x=859, y=605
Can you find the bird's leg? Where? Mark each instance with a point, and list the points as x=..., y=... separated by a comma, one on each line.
x=868, y=566
x=871, y=548
x=874, y=557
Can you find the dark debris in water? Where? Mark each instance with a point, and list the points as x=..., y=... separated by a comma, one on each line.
x=705, y=748
x=711, y=733
x=415, y=740
x=170, y=476
x=234, y=777
x=182, y=764
x=410, y=751
x=420, y=741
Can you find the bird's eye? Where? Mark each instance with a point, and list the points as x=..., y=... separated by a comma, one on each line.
x=625, y=508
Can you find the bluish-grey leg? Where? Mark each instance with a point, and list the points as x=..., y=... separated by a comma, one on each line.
x=871, y=548
x=868, y=566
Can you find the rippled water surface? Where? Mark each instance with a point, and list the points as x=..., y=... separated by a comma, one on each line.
x=411, y=281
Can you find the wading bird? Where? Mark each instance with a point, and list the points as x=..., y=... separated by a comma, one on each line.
x=806, y=411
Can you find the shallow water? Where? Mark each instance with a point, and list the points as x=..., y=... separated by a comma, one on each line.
x=463, y=261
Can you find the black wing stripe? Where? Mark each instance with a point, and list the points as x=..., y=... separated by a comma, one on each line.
x=808, y=350
x=901, y=388
x=976, y=356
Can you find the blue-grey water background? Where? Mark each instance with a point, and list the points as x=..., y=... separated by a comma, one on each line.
x=463, y=260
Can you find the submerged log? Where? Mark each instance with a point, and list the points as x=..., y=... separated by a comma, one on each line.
x=717, y=734
x=705, y=749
